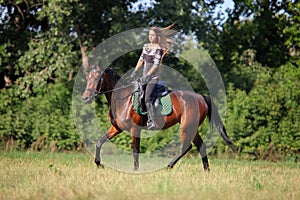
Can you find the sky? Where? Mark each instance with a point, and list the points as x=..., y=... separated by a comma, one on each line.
x=221, y=8
x=224, y=6
x=228, y=4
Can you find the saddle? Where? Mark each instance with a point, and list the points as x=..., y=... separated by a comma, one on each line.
x=160, y=98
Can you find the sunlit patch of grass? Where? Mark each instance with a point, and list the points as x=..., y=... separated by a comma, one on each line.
x=31, y=175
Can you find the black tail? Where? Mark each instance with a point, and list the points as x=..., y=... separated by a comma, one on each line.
x=215, y=119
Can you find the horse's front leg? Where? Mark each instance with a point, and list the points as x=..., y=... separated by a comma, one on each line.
x=112, y=132
x=99, y=144
x=135, y=136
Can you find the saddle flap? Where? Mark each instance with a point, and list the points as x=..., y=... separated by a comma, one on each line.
x=160, y=94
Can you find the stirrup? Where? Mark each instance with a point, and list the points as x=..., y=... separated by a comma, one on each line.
x=150, y=125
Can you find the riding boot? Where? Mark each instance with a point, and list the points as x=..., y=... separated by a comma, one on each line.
x=150, y=113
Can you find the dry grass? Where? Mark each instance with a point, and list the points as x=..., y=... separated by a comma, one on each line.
x=74, y=176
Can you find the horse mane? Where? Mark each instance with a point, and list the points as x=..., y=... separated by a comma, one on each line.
x=113, y=72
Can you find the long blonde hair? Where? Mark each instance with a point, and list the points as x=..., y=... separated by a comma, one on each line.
x=165, y=35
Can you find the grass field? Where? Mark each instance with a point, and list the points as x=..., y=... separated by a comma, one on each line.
x=31, y=175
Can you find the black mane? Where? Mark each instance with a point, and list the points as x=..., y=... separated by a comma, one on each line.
x=113, y=73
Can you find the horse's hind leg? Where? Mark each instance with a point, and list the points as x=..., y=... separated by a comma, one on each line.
x=183, y=152
x=186, y=138
x=202, y=150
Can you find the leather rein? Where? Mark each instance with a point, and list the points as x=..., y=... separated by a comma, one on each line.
x=100, y=83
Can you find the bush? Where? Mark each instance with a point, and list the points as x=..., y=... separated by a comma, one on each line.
x=265, y=122
x=43, y=120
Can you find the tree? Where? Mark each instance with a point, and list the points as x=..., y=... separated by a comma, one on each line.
x=42, y=43
x=41, y=39
x=292, y=31
x=254, y=38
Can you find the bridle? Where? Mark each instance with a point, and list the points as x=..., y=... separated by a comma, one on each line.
x=95, y=92
x=100, y=83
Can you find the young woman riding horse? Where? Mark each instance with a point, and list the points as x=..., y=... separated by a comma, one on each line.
x=189, y=109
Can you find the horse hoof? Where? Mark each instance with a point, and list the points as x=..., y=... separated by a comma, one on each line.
x=97, y=162
x=170, y=166
x=206, y=169
x=99, y=165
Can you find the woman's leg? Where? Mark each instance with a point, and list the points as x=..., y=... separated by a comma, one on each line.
x=149, y=89
x=150, y=110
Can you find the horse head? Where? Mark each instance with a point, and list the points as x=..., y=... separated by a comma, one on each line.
x=98, y=82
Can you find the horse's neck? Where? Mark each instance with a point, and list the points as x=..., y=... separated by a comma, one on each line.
x=119, y=95
x=119, y=103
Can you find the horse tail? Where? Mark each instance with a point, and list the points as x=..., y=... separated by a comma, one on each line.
x=215, y=119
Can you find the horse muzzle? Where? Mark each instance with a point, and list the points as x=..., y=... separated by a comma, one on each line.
x=87, y=98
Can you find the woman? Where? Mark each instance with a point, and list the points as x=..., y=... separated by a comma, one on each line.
x=151, y=59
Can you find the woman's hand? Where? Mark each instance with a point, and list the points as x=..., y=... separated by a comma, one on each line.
x=145, y=79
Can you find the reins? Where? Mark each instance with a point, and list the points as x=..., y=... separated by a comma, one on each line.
x=113, y=90
x=100, y=80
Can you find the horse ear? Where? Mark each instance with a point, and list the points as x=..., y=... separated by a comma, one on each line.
x=110, y=71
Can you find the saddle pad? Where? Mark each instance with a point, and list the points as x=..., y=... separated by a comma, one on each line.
x=163, y=108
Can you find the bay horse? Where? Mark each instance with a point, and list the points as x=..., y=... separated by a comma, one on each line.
x=189, y=110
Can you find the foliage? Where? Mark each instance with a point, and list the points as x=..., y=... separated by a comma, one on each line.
x=41, y=122
x=292, y=31
x=257, y=31
x=265, y=122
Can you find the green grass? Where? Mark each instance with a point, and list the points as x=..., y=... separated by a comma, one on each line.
x=32, y=175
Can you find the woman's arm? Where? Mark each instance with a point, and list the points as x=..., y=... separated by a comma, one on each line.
x=138, y=65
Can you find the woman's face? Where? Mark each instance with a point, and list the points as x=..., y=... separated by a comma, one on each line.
x=152, y=37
